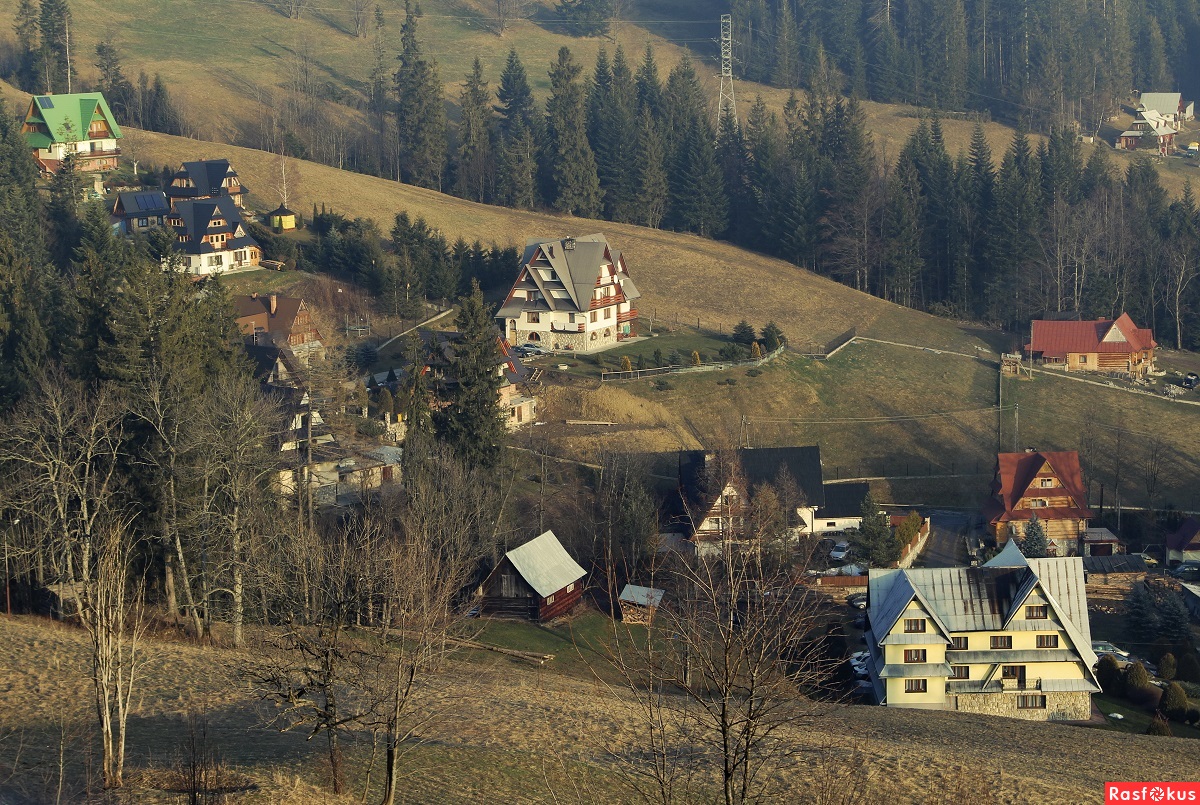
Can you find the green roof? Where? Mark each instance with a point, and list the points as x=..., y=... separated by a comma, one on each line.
x=65, y=114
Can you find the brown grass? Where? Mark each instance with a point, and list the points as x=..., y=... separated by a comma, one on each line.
x=521, y=734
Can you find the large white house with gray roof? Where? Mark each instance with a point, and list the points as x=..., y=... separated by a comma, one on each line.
x=571, y=294
x=1010, y=638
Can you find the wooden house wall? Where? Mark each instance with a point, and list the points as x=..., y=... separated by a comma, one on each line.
x=563, y=602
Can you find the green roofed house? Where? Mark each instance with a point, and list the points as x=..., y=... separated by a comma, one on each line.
x=81, y=123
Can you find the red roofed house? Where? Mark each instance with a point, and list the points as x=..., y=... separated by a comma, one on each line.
x=1049, y=485
x=280, y=321
x=1103, y=345
x=1184, y=544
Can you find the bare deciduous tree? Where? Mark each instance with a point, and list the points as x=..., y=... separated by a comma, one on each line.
x=509, y=11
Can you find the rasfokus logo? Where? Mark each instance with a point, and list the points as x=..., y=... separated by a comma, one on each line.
x=1151, y=792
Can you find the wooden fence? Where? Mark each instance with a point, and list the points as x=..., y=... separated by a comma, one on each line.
x=638, y=374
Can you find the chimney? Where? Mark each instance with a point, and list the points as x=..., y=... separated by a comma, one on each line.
x=274, y=303
x=254, y=295
x=551, y=250
x=569, y=244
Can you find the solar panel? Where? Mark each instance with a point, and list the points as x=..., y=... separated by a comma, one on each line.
x=146, y=201
x=45, y=102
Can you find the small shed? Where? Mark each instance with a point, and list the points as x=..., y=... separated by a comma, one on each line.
x=282, y=219
x=638, y=604
x=538, y=580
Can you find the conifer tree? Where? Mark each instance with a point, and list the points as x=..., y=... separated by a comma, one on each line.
x=743, y=333
x=876, y=535
x=56, y=32
x=516, y=98
x=698, y=203
x=517, y=169
x=420, y=117
x=29, y=51
x=66, y=196
x=572, y=184
x=649, y=86
x=651, y=188
x=476, y=168
x=585, y=17
x=471, y=421
x=117, y=89
x=1034, y=544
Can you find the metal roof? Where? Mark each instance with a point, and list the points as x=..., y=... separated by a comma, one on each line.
x=1165, y=103
x=914, y=669
x=1063, y=685
x=641, y=596
x=1120, y=563
x=545, y=564
x=1055, y=339
x=1009, y=556
x=1011, y=656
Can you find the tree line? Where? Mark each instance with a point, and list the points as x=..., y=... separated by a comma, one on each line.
x=1049, y=63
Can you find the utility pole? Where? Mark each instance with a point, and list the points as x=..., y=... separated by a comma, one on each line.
x=726, y=99
x=1000, y=413
x=1017, y=428
x=67, y=45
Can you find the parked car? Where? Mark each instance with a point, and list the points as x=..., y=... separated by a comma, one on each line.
x=1148, y=559
x=1104, y=647
x=840, y=551
x=1191, y=380
x=860, y=656
x=533, y=349
x=1186, y=571
x=857, y=600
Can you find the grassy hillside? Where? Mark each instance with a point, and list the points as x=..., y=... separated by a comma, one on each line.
x=513, y=733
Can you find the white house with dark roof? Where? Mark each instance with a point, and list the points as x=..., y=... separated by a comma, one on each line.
x=1010, y=638
x=140, y=210
x=206, y=178
x=211, y=236
x=570, y=294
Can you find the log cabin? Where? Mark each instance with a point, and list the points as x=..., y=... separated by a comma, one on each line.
x=1103, y=345
x=1046, y=484
x=538, y=580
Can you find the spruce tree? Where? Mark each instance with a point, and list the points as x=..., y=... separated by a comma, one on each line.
x=472, y=421
x=517, y=169
x=698, y=203
x=585, y=17
x=412, y=400
x=876, y=535
x=29, y=51
x=1174, y=622
x=772, y=336
x=649, y=86
x=54, y=22
x=420, y=116
x=476, y=167
x=1034, y=544
x=516, y=98
x=572, y=184
x=117, y=89
x=743, y=333
x=66, y=198
x=650, y=181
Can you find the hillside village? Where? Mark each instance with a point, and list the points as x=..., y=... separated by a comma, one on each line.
x=382, y=486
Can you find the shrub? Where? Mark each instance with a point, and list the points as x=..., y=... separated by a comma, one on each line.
x=1190, y=688
x=743, y=333
x=626, y=364
x=772, y=336
x=695, y=358
x=1166, y=666
x=1136, y=676
x=753, y=372
x=729, y=381
x=641, y=362
x=756, y=351
x=1174, y=703
x=1187, y=669
x=658, y=358
x=1146, y=697
x=1159, y=726
x=1108, y=672
x=662, y=385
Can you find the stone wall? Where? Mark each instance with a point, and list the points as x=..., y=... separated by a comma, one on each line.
x=1066, y=706
x=572, y=342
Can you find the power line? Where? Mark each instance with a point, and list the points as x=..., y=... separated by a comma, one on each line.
x=879, y=419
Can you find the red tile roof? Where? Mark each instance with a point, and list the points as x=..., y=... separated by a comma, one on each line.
x=1054, y=339
x=1016, y=471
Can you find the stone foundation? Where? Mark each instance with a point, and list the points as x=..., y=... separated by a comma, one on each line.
x=570, y=342
x=1066, y=706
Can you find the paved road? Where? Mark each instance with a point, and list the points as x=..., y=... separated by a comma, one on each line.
x=945, y=547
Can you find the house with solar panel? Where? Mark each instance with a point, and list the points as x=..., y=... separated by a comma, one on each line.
x=570, y=294
x=140, y=210
x=80, y=123
x=1010, y=638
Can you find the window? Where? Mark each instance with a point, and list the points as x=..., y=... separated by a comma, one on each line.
x=831, y=524
x=916, y=685
x=549, y=600
x=1037, y=503
x=1001, y=641
x=960, y=672
x=1037, y=612
x=608, y=312
x=593, y=315
x=533, y=318
x=1047, y=641
x=570, y=587
x=958, y=644
x=1012, y=671
x=1047, y=483
x=914, y=655
x=1026, y=702
x=216, y=260
x=1083, y=359
x=914, y=625
x=143, y=222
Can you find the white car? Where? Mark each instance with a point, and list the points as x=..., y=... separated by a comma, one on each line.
x=840, y=551
x=1104, y=647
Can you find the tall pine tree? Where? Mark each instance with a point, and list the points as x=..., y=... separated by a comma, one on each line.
x=420, y=116
x=472, y=421
x=572, y=185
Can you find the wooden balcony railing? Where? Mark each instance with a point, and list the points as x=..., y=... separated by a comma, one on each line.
x=627, y=316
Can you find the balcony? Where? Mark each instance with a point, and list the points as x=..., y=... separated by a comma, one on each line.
x=1018, y=685
x=623, y=318
x=565, y=328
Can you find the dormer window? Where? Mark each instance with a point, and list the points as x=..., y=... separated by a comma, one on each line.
x=914, y=625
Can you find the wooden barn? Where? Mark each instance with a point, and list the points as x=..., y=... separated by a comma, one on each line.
x=538, y=580
x=638, y=604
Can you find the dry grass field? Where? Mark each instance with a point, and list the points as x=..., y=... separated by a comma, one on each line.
x=514, y=733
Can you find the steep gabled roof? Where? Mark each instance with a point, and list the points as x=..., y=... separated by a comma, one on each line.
x=545, y=564
x=207, y=176
x=1165, y=103
x=287, y=308
x=141, y=204
x=759, y=465
x=1055, y=339
x=575, y=274
x=197, y=215
x=67, y=117
x=1009, y=556
x=1186, y=537
x=1015, y=473
x=843, y=500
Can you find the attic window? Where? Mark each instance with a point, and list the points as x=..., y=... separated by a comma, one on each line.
x=914, y=625
x=1047, y=483
x=1038, y=503
x=1037, y=612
